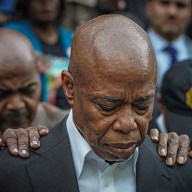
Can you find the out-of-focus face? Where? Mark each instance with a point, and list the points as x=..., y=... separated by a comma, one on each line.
x=19, y=93
x=44, y=10
x=113, y=106
x=169, y=18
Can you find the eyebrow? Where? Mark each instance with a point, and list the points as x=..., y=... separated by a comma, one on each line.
x=108, y=98
x=119, y=100
x=31, y=84
x=145, y=98
x=2, y=88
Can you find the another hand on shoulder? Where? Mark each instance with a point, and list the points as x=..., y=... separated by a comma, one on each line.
x=19, y=140
x=175, y=148
x=172, y=146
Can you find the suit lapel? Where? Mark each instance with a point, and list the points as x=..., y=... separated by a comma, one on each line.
x=152, y=173
x=53, y=170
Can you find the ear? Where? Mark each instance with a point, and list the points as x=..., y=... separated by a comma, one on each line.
x=68, y=86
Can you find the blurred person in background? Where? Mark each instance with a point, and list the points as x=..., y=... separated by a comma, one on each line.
x=132, y=9
x=40, y=21
x=79, y=11
x=20, y=86
x=169, y=21
x=175, y=100
x=6, y=10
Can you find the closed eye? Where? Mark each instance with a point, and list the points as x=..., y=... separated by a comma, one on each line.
x=142, y=108
x=4, y=93
x=107, y=108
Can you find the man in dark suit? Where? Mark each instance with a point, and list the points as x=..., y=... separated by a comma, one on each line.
x=102, y=144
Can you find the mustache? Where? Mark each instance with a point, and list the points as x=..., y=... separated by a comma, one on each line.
x=171, y=17
x=12, y=115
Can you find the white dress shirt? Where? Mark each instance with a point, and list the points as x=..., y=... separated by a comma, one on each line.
x=163, y=58
x=93, y=173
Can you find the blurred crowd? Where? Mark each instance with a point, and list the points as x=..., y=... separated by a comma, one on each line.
x=50, y=25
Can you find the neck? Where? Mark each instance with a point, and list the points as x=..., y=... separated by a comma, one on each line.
x=110, y=162
x=47, y=33
x=169, y=36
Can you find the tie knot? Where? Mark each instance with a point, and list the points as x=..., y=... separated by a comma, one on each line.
x=172, y=52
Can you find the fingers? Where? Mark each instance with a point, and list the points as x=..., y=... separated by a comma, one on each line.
x=154, y=134
x=18, y=140
x=23, y=142
x=35, y=133
x=1, y=140
x=1, y=143
x=10, y=138
x=162, y=147
x=42, y=130
x=33, y=137
x=173, y=145
x=184, y=144
x=190, y=154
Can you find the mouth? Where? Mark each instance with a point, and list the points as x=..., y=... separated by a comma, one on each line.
x=17, y=119
x=171, y=21
x=122, y=149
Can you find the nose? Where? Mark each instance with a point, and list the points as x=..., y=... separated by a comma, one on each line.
x=15, y=103
x=125, y=121
x=172, y=9
x=48, y=3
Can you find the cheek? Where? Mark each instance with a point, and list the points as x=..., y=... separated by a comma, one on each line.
x=2, y=106
x=185, y=20
x=31, y=105
x=142, y=123
x=96, y=128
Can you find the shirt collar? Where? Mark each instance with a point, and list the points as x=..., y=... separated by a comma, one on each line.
x=161, y=43
x=82, y=150
x=79, y=146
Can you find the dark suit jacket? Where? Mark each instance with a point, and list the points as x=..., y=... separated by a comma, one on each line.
x=153, y=124
x=51, y=169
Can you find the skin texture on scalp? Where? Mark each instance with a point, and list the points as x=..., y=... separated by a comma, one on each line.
x=14, y=47
x=111, y=85
x=19, y=81
x=107, y=40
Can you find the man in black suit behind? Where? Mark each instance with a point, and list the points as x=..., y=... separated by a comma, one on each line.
x=102, y=144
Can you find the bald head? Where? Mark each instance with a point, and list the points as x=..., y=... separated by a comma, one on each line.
x=111, y=84
x=19, y=81
x=105, y=41
x=15, y=46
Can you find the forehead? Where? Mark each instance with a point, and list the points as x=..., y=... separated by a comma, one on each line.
x=120, y=79
x=126, y=90
x=17, y=69
x=128, y=64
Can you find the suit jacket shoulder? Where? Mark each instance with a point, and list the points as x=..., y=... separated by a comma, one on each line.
x=48, y=115
x=154, y=176
x=49, y=169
